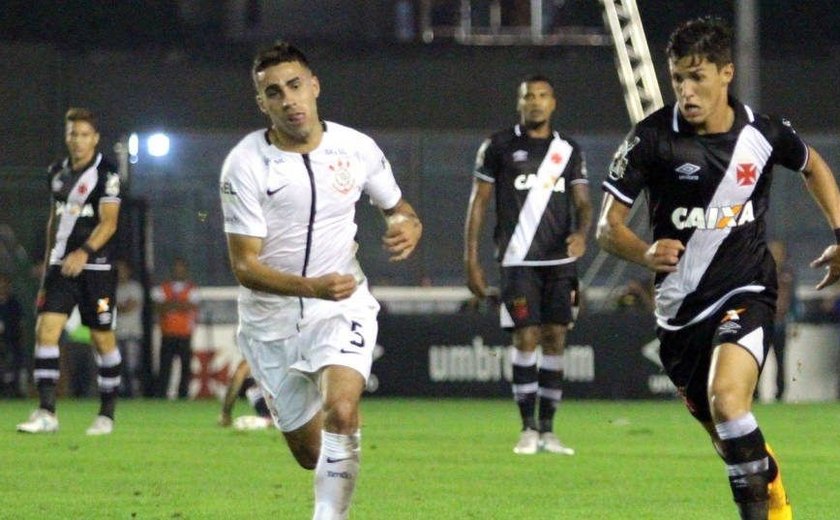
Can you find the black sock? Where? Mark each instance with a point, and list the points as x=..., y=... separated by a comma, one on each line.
x=46, y=394
x=748, y=466
x=525, y=387
x=551, y=390
x=262, y=408
x=46, y=374
x=108, y=403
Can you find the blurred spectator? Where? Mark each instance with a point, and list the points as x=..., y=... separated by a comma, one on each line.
x=176, y=301
x=786, y=306
x=77, y=358
x=13, y=361
x=476, y=305
x=130, y=299
x=637, y=294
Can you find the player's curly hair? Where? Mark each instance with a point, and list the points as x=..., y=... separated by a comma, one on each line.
x=706, y=37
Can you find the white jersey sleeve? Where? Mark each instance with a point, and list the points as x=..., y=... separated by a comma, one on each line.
x=240, y=190
x=381, y=186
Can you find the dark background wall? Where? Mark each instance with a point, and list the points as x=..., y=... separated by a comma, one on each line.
x=183, y=67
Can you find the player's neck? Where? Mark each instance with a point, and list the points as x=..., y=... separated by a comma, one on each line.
x=541, y=131
x=304, y=144
x=719, y=122
x=76, y=164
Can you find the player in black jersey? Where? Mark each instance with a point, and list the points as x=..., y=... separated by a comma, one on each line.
x=543, y=217
x=84, y=208
x=705, y=164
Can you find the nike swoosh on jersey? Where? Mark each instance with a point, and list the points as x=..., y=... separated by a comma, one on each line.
x=272, y=192
x=345, y=351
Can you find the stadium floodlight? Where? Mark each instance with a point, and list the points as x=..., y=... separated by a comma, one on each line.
x=158, y=144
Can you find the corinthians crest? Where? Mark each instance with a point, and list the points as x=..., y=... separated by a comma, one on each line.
x=343, y=180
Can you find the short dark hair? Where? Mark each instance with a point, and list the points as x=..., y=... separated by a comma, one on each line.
x=81, y=114
x=706, y=37
x=280, y=52
x=538, y=78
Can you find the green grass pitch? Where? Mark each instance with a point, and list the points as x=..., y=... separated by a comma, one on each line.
x=422, y=459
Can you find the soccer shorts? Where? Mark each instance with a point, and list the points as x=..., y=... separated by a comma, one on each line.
x=686, y=354
x=288, y=369
x=93, y=291
x=536, y=295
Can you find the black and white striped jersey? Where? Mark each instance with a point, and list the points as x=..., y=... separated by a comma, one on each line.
x=532, y=182
x=76, y=196
x=710, y=192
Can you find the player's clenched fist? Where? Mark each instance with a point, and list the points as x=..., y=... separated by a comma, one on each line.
x=662, y=256
x=334, y=286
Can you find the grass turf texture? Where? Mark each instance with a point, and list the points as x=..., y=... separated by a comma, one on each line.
x=422, y=459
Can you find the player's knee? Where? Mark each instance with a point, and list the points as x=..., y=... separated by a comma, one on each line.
x=726, y=403
x=341, y=416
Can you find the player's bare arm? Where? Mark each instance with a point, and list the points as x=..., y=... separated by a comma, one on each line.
x=819, y=180
x=615, y=237
x=480, y=196
x=576, y=242
x=252, y=273
x=75, y=261
x=403, y=232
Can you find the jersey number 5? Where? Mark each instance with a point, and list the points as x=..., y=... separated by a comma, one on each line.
x=357, y=339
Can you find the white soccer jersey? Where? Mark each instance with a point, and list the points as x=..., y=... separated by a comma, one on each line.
x=303, y=206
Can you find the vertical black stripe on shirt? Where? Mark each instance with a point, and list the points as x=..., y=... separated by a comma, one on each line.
x=311, y=227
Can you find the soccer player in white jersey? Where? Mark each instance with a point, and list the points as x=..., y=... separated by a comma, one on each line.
x=307, y=321
x=705, y=164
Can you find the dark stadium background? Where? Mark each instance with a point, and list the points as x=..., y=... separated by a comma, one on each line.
x=182, y=67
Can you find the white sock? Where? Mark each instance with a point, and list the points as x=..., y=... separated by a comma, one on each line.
x=335, y=475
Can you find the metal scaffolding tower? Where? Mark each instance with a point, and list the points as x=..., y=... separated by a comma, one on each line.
x=641, y=94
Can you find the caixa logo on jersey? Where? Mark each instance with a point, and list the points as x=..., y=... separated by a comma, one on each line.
x=74, y=210
x=527, y=180
x=720, y=217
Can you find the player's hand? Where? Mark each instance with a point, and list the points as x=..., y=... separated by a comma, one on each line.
x=575, y=245
x=830, y=259
x=476, y=281
x=73, y=263
x=401, y=236
x=334, y=286
x=662, y=256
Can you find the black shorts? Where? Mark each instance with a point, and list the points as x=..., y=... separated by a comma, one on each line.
x=686, y=354
x=537, y=295
x=93, y=291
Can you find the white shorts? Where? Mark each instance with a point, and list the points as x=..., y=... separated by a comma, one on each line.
x=288, y=369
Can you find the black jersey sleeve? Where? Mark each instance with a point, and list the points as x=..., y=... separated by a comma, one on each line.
x=627, y=175
x=488, y=161
x=789, y=149
x=578, y=172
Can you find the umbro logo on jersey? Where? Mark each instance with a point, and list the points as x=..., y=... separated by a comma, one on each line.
x=687, y=172
x=520, y=156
